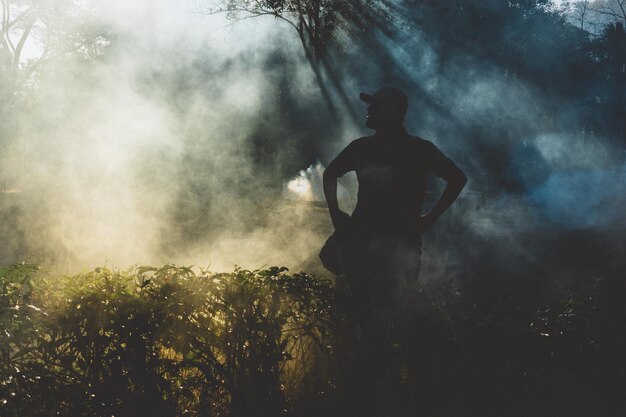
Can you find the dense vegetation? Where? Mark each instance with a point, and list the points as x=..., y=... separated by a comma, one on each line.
x=158, y=341
x=170, y=341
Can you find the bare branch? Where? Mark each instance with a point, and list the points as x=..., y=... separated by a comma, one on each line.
x=20, y=16
x=621, y=4
x=252, y=13
x=582, y=8
x=609, y=13
x=615, y=9
x=10, y=42
x=312, y=20
x=6, y=15
x=5, y=28
x=3, y=16
x=22, y=41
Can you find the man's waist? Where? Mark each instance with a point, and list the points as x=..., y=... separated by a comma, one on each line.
x=395, y=226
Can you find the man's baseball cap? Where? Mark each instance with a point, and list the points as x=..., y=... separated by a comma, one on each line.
x=388, y=97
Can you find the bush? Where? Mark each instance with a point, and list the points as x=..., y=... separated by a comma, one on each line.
x=159, y=341
x=173, y=341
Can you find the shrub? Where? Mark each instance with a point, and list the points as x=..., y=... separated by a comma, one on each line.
x=160, y=341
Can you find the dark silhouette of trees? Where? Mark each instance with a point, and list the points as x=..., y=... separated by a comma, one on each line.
x=325, y=29
x=612, y=48
x=581, y=11
x=593, y=15
x=316, y=22
x=613, y=10
x=529, y=41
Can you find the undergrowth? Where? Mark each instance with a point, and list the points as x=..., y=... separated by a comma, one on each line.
x=158, y=341
x=177, y=341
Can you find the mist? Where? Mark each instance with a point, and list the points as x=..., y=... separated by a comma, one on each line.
x=147, y=153
x=181, y=141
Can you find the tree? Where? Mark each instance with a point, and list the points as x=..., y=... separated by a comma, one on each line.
x=581, y=10
x=593, y=15
x=34, y=32
x=316, y=23
x=612, y=10
x=613, y=47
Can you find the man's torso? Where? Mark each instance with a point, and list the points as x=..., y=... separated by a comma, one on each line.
x=392, y=176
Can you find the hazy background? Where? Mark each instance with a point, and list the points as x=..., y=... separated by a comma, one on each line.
x=145, y=152
x=167, y=134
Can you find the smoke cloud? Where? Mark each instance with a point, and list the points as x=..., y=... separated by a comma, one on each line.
x=188, y=141
x=172, y=146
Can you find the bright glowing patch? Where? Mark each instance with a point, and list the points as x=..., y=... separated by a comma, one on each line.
x=307, y=186
x=301, y=187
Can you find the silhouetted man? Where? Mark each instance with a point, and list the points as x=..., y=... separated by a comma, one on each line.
x=381, y=242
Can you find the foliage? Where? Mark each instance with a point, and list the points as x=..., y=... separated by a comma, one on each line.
x=316, y=21
x=158, y=341
x=171, y=341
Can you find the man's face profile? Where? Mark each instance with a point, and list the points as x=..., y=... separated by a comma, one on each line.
x=380, y=116
x=373, y=116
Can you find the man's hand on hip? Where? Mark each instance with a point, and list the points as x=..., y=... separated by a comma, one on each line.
x=426, y=222
x=340, y=219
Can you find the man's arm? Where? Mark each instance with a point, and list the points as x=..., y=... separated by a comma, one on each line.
x=338, y=217
x=444, y=168
x=339, y=166
x=456, y=183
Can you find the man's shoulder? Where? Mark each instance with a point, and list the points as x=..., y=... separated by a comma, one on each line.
x=419, y=140
x=361, y=143
x=423, y=144
x=364, y=140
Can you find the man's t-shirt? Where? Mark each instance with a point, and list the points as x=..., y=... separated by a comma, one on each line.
x=392, y=175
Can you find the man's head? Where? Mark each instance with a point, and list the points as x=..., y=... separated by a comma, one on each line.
x=387, y=108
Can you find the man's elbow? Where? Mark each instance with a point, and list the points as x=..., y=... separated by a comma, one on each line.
x=329, y=176
x=459, y=179
x=462, y=179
